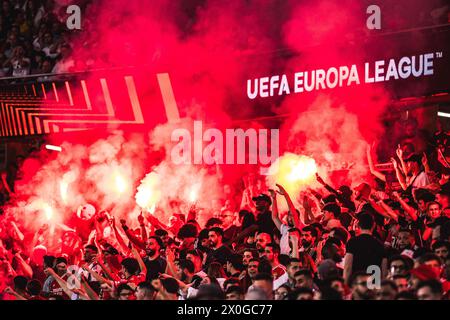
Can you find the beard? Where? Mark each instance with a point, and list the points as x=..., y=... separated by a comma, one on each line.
x=305, y=243
x=367, y=295
x=261, y=208
x=403, y=246
x=150, y=252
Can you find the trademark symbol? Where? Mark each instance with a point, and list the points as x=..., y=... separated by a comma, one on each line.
x=439, y=54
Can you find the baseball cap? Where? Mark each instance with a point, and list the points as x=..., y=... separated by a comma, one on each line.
x=364, y=189
x=262, y=197
x=414, y=158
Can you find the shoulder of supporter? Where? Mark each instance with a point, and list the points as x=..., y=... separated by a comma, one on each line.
x=280, y=281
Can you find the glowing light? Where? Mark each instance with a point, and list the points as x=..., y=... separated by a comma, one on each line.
x=193, y=193
x=147, y=193
x=293, y=172
x=302, y=170
x=53, y=148
x=152, y=209
x=63, y=186
x=48, y=211
x=120, y=183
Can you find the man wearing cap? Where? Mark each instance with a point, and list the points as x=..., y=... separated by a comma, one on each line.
x=61, y=270
x=414, y=177
x=263, y=214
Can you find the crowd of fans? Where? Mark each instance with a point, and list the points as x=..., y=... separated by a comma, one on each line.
x=384, y=240
x=33, y=39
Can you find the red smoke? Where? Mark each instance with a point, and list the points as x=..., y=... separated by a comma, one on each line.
x=209, y=48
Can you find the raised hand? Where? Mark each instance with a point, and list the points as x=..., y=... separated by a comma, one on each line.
x=141, y=218
x=281, y=190
x=8, y=290
x=306, y=202
x=49, y=270
x=424, y=159
x=394, y=163
x=399, y=152
x=319, y=179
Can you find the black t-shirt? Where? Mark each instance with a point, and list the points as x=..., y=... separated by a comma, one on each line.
x=345, y=219
x=154, y=267
x=221, y=255
x=265, y=223
x=230, y=233
x=366, y=251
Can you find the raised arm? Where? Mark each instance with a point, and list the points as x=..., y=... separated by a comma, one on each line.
x=170, y=267
x=27, y=270
x=401, y=179
x=134, y=240
x=137, y=256
x=372, y=169
x=348, y=266
x=326, y=186
x=399, y=153
x=106, y=270
x=62, y=283
x=388, y=210
x=144, y=235
x=375, y=202
x=17, y=233
x=90, y=294
x=10, y=291
x=275, y=217
x=408, y=209
x=99, y=278
x=442, y=159
x=291, y=206
x=118, y=236
x=307, y=211
x=5, y=183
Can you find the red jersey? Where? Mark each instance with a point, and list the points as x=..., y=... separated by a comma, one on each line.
x=55, y=288
x=132, y=281
x=278, y=271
